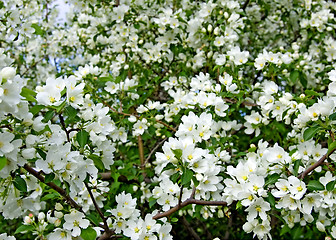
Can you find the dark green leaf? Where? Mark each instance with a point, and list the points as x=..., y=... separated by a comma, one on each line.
x=284, y=230
x=297, y=164
x=49, y=177
x=23, y=228
x=175, y=176
x=186, y=176
x=297, y=232
x=82, y=138
x=315, y=185
x=93, y=219
x=88, y=234
x=41, y=153
x=36, y=109
x=270, y=198
x=271, y=179
x=310, y=132
x=178, y=153
x=303, y=79
x=332, y=116
x=20, y=184
x=70, y=112
x=97, y=161
x=331, y=185
x=168, y=167
x=294, y=76
x=48, y=116
x=152, y=201
x=3, y=162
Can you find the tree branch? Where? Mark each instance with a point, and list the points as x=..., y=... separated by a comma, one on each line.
x=106, y=228
x=190, y=229
x=186, y=203
x=58, y=189
x=315, y=165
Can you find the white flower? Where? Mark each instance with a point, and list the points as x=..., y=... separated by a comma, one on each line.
x=74, y=222
x=259, y=207
x=139, y=127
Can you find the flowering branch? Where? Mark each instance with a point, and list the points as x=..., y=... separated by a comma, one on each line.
x=318, y=163
x=58, y=189
x=106, y=228
x=187, y=202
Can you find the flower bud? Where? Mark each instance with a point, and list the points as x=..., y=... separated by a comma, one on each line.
x=7, y=73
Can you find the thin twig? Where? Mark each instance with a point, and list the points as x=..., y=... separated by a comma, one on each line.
x=106, y=228
x=190, y=229
x=64, y=127
x=154, y=149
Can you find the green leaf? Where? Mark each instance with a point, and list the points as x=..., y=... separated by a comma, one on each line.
x=20, y=184
x=93, y=219
x=23, y=228
x=49, y=177
x=175, y=176
x=297, y=232
x=310, y=132
x=174, y=220
x=41, y=153
x=270, y=198
x=50, y=196
x=88, y=234
x=70, y=112
x=331, y=185
x=97, y=161
x=82, y=138
x=3, y=162
x=239, y=205
x=48, y=116
x=152, y=201
x=284, y=230
x=315, y=185
x=303, y=79
x=186, y=176
x=297, y=164
x=28, y=94
x=294, y=76
x=168, y=167
x=331, y=147
x=332, y=116
x=312, y=93
x=271, y=179
x=38, y=29
x=36, y=109
x=178, y=153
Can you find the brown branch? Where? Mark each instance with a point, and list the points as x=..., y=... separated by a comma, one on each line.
x=64, y=127
x=166, y=125
x=245, y=5
x=186, y=203
x=315, y=165
x=58, y=189
x=142, y=158
x=190, y=229
x=106, y=228
x=154, y=149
